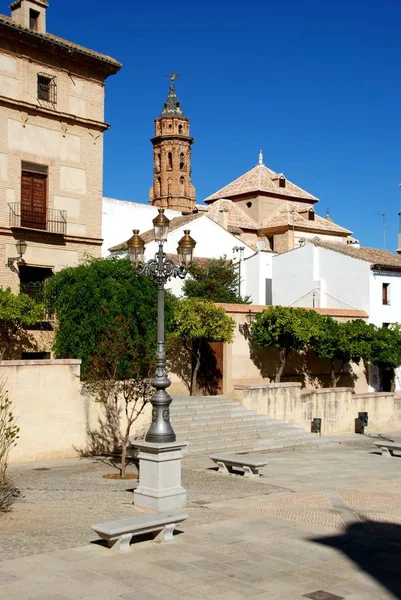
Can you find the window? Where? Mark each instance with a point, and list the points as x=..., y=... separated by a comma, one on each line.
x=281, y=182
x=170, y=161
x=47, y=88
x=311, y=215
x=33, y=196
x=33, y=19
x=386, y=293
x=182, y=186
x=182, y=160
x=180, y=129
x=249, y=204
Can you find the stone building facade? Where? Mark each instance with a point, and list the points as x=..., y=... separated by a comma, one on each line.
x=51, y=147
x=172, y=187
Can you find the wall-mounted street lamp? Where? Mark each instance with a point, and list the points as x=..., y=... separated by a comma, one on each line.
x=161, y=269
x=250, y=317
x=21, y=247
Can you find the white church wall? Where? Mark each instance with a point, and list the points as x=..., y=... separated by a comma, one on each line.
x=254, y=272
x=120, y=217
x=212, y=241
x=293, y=277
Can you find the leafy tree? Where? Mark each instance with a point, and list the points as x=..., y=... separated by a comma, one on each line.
x=217, y=280
x=385, y=349
x=197, y=322
x=118, y=378
x=17, y=312
x=344, y=342
x=286, y=329
x=107, y=317
x=89, y=298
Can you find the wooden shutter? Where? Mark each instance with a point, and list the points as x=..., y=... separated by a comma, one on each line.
x=33, y=200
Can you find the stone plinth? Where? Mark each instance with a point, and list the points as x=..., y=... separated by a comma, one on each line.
x=159, y=484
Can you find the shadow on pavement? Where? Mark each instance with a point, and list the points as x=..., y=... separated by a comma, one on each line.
x=375, y=547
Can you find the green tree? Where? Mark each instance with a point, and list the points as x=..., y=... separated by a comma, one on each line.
x=385, y=349
x=17, y=312
x=217, y=280
x=89, y=298
x=285, y=329
x=341, y=342
x=107, y=317
x=197, y=322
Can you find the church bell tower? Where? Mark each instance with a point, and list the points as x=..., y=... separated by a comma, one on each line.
x=172, y=187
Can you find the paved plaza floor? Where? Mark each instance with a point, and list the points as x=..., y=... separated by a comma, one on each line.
x=320, y=524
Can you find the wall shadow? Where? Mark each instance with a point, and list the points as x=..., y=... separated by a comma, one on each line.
x=375, y=548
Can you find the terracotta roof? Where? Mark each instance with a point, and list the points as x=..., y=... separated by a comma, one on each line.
x=375, y=256
x=236, y=217
x=332, y=312
x=48, y=37
x=290, y=215
x=149, y=235
x=260, y=179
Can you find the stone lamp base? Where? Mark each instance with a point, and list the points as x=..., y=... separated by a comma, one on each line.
x=159, y=484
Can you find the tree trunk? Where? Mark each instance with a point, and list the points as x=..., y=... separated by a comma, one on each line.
x=196, y=356
x=333, y=377
x=124, y=451
x=284, y=352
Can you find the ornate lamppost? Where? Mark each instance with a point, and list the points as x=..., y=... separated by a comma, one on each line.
x=161, y=269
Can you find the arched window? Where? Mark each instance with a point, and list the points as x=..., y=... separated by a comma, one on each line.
x=182, y=160
x=182, y=190
x=311, y=215
x=281, y=182
x=170, y=161
x=180, y=129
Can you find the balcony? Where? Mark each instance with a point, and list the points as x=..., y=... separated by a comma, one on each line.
x=50, y=219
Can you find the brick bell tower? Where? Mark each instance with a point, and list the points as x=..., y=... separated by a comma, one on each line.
x=172, y=187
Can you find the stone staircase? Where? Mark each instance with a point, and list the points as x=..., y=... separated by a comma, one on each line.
x=215, y=423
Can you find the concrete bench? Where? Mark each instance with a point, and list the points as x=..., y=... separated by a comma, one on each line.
x=388, y=448
x=248, y=463
x=121, y=532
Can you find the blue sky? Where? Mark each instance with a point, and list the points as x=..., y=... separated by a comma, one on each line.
x=315, y=85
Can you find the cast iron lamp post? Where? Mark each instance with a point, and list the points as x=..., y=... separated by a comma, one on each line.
x=161, y=269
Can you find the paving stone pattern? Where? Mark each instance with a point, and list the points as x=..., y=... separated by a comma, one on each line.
x=277, y=537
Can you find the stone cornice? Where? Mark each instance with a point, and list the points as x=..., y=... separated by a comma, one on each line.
x=54, y=115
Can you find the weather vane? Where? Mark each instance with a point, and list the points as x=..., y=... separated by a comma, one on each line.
x=173, y=77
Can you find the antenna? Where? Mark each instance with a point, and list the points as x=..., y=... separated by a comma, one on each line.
x=383, y=216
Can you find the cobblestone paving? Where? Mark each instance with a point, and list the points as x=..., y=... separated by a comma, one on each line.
x=59, y=504
x=317, y=520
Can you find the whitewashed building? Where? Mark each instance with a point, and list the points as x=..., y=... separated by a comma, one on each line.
x=329, y=275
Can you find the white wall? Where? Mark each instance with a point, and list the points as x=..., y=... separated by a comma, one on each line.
x=344, y=280
x=254, y=272
x=314, y=276
x=212, y=241
x=293, y=277
x=380, y=313
x=120, y=217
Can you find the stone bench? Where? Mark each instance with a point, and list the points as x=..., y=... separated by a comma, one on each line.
x=248, y=463
x=121, y=532
x=388, y=448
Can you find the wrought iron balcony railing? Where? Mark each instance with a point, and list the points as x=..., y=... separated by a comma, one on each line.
x=49, y=219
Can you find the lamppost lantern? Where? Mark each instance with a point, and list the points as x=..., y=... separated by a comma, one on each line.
x=185, y=249
x=160, y=226
x=21, y=246
x=250, y=317
x=136, y=248
x=161, y=269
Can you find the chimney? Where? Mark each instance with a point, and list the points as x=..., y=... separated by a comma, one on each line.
x=223, y=217
x=399, y=236
x=30, y=14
